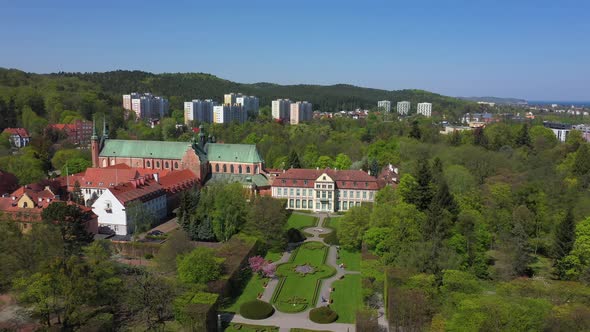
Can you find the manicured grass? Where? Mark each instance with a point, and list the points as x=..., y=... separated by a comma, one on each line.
x=333, y=222
x=351, y=259
x=273, y=256
x=297, y=292
x=238, y=327
x=251, y=291
x=348, y=298
x=300, y=221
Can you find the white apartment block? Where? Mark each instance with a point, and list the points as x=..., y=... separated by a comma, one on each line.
x=425, y=109
x=384, y=104
x=301, y=111
x=403, y=107
x=249, y=103
x=281, y=109
x=146, y=106
x=229, y=114
x=199, y=110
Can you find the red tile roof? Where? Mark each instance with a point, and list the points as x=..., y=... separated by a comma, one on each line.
x=144, y=189
x=105, y=177
x=345, y=179
x=179, y=180
x=22, y=132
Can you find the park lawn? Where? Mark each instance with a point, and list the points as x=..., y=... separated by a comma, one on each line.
x=273, y=256
x=251, y=291
x=300, y=221
x=347, y=297
x=235, y=327
x=333, y=223
x=351, y=259
x=296, y=292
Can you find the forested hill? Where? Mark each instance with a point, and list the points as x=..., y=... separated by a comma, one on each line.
x=179, y=87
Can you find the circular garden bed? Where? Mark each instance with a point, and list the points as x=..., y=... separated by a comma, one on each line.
x=323, y=315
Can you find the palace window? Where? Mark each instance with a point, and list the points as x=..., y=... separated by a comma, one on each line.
x=291, y=203
x=371, y=195
x=345, y=192
x=364, y=195
x=344, y=205
x=358, y=194
x=304, y=204
x=298, y=192
x=291, y=191
x=297, y=204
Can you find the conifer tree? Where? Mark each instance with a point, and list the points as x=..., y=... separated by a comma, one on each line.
x=415, y=131
x=582, y=161
x=374, y=167
x=293, y=160
x=523, y=138
x=424, y=193
x=565, y=234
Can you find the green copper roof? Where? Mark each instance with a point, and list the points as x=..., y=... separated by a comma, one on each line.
x=243, y=153
x=147, y=149
x=245, y=179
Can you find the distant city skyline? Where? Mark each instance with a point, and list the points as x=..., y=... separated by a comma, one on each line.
x=534, y=50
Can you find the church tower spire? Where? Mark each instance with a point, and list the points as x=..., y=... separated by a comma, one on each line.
x=94, y=145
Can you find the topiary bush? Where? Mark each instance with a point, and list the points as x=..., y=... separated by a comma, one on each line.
x=256, y=309
x=323, y=315
x=295, y=236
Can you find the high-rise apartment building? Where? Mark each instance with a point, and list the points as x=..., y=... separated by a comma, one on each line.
x=384, y=104
x=300, y=111
x=229, y=113
x=248, y=103
x=199, y=110
x=146, y=106
x=403, y=107
x=281, y=109
x=424, y=109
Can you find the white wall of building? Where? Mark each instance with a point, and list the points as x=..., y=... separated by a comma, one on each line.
x=424, y=109
x=403, y=107
x=385, y=104
x=281, y=109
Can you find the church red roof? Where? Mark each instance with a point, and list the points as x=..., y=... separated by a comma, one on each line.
x=143, y=188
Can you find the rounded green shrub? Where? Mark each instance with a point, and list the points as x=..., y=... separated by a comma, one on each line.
x=323, y=315
x=256, y=309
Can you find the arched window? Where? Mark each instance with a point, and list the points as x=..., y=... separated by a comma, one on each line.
x=25, y=205
x=158, y=164
x=216, y=168
x=240, y=169
x=248, y=169
x=231, y=168
x=113, y=162
x=224, y=168
x=166, y=165
x=148, y=164
x=176, y=164
x=104, y=163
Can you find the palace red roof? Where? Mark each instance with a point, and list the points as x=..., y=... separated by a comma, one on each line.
x=22, y=132
x=106, y=177
x=179, y=180
x=344, y=179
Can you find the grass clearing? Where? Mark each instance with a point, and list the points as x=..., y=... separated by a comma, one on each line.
x=250, y=292
x=297, y=291
x=351, y=259
x=301, y=221
x=348, y=298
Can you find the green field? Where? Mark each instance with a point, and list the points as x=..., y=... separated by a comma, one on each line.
x=347, y=297
x=300, y=221
x=296, y=292
x=251, y=291
x=332, y=223
x=235, y=327
x=351, y=259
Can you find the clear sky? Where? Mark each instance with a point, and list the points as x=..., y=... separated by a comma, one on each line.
x=537, y=50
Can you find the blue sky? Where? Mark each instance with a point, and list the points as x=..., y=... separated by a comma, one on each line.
x=528, y=49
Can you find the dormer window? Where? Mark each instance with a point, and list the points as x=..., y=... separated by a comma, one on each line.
x=354, y=183
x=366, y=184
x=284, y=181
x=305, y=182
x=294, y=181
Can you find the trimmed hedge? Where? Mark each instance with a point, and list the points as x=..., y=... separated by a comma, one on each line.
x=323, y=315
x=256, y=309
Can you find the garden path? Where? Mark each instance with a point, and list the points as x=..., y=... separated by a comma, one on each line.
x=286, y=321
